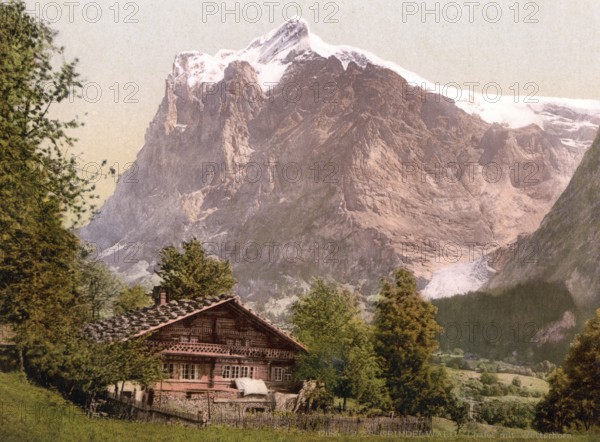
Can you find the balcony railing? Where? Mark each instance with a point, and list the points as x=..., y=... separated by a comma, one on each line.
x=225, y=350
x=207, y=330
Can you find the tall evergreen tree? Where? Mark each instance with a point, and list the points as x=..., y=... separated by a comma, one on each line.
x=405, y=337
x=192, y=273
x=574, y=396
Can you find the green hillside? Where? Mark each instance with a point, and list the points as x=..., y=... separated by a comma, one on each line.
x=30, y=413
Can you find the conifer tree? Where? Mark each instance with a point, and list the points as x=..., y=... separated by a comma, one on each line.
x=574, y=396
x=192, y=273
x=405, y=338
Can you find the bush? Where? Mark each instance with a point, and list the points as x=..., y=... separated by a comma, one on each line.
x=508, y=414
x=464, y=365
x=516, y=381
x=524, y=393
x=454, y=363
x=458, y=352
x=488, y=378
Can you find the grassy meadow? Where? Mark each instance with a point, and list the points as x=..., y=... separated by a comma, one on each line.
x=31, y=413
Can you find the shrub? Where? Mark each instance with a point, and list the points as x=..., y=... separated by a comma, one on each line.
x=508, y=414
x=454, y=363
x=488, y=378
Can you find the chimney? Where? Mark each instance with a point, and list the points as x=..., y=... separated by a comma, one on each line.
x=160, y=295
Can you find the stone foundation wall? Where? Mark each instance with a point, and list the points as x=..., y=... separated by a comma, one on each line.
x=223, y=404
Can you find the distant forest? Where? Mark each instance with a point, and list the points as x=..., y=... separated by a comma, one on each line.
x=505, y=325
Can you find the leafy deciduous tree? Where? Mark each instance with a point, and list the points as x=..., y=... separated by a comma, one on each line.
x=458, y=411
x=341, y=354
x=41, y=293
x=39, y=185
x=131, y=298
x=98, y=285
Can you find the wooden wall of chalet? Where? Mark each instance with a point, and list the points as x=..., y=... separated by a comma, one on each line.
x=221, y=336
x=225, y=326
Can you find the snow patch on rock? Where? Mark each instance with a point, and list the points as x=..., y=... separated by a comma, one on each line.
x=458, y=279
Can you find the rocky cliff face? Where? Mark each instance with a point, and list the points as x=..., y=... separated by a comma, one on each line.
x=565, y=247
x=343, y=168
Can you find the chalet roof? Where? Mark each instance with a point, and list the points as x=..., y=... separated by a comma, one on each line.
x=137, y=323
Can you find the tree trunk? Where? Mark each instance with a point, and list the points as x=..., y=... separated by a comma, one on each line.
x=21, y=360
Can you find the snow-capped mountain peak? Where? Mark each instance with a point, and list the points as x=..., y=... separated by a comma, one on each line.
x=291, y=37
x=271, y=55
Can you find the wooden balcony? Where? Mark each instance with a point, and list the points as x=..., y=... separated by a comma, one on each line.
x=206, y=349
x=189, y=330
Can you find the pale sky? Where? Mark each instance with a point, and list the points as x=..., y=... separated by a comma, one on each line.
x=129, y=47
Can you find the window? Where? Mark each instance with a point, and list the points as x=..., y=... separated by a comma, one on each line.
x=237, y=371
x=193, y=338
x=247, y=372
x=184, y=339
x=281, y=374
x=190, y=371
x=169, y=370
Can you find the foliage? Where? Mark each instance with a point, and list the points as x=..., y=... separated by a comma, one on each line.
x=98, y=286
x=192, y=274
x=406, y=337
x=488, y=378
x=458, y=411
x=49, y=289
x=574, y=397
x=38, y=186
x=507, y=414
x=132, y=298
x=319, y=398
x=104, y=364
x=341, y=354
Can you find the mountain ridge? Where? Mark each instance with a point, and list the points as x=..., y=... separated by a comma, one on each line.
x=371, y=194
x=566, y=239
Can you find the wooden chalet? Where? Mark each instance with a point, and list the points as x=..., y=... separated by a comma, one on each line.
x=213, y=349
x=8, y=352
x=7, y=335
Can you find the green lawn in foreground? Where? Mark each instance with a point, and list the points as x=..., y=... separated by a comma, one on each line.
x=30, y=413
